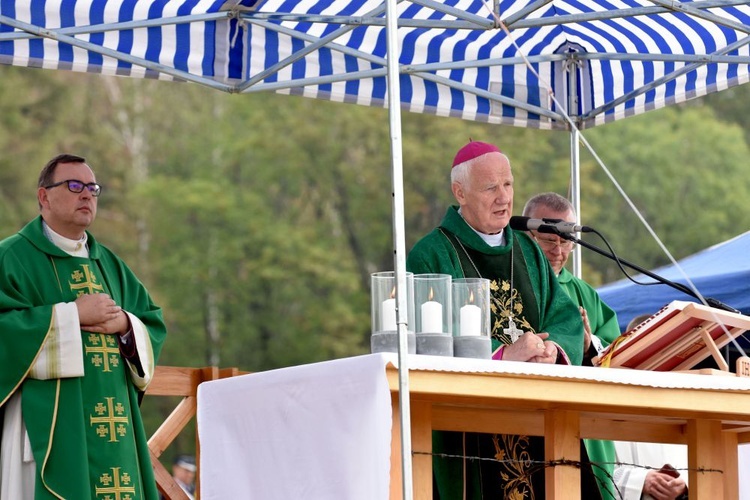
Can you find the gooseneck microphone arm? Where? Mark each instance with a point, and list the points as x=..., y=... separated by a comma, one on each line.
x=620, y=262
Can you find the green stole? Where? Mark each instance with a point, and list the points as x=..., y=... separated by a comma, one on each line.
x=113, y=467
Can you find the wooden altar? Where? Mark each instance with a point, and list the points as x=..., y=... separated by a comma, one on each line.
x=710, y=414
x=564, y=409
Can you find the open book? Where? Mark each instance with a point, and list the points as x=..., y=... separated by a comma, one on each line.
x=677, y=337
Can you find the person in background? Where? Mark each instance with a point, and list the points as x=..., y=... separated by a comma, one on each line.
x=533, y=320
x=650, y=471
x=79, y=340
x=183, y=472
x=599, y=320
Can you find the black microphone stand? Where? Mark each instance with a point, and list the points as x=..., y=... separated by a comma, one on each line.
x=677, y=286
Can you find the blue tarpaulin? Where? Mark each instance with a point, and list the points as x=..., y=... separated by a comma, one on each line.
x=721, y=272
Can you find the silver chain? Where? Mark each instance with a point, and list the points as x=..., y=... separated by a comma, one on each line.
x=512, y=332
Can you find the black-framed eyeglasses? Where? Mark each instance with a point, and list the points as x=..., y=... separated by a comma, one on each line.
x=550, y=244
x=76, y=186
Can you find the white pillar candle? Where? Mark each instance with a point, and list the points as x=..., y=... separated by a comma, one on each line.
x=432, y=317
x=471, y=320
x=388, y=315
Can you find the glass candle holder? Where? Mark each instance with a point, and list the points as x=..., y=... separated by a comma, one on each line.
x=432, y=299
x=471, y=304
x=471, y=318
x=384, y=336
x=383, y=304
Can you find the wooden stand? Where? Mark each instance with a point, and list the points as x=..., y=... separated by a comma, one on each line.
x=182, y=382
x=677, y=338
x=564, y=409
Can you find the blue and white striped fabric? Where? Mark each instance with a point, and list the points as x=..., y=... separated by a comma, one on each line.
x=120, y=26
x=628, y=56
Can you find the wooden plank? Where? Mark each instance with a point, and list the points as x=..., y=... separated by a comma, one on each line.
x=172, y=425
x=397, y=478
x=174, y=381
x=562, y=441
x=179, y=381
x=165, y=482
x=731, y=467
x=489, y=421
x=421, y=439
x=705, y=459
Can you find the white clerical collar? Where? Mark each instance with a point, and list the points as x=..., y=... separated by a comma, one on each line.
x=493, y=240
x=76, y=248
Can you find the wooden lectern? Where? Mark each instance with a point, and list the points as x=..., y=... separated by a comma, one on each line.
x=676, y=338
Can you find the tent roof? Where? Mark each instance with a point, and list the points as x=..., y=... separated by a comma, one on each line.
x=455, y=58
x=721, y=272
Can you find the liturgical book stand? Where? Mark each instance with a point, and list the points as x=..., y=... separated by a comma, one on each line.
x=676, y=338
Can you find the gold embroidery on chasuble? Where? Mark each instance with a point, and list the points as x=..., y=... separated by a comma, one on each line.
x=503, y=301
x=113, y=464
x=515, y=465
x=111, y=420
x=102, y=350
x=511, y=451
x=81, y=286
x=115, y=486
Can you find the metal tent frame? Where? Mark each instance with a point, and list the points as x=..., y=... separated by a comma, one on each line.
x=605, y=59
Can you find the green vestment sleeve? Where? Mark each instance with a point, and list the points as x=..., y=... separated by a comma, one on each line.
x=602, y=318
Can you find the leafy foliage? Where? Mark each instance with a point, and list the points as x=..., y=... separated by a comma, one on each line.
x=256, y=220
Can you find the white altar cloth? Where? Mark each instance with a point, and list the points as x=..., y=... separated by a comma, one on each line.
x=323, y=431
x=320, y=431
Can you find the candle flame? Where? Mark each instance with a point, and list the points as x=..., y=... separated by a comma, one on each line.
x=430, y=297
x=471, y=296
x=393, y=293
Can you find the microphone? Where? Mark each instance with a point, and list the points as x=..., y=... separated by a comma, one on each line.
x=554, y=226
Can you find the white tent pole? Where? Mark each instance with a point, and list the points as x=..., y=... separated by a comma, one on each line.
x=575, y=192
x=399, y=254
x=575, y=157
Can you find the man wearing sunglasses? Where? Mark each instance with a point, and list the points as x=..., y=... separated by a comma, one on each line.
x=599, y=320
x=79, y=340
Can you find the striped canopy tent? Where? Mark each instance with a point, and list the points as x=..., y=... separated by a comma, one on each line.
x=601, y=59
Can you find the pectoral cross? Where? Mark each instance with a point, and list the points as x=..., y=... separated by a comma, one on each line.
x=512, y=332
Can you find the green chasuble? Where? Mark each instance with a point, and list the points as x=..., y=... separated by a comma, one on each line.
x=513, y=465
x=86, y=433
x=603, y=322
x=602, y=318
x=539, y=305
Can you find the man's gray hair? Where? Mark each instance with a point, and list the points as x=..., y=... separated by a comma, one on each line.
x=553, y=201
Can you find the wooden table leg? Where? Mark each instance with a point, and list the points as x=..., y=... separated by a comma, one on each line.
x=421, y=441
x=562, y=440
x=396, y=492
x=705, y=459
x=731, y=467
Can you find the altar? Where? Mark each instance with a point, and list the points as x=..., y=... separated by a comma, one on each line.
x=330, y=430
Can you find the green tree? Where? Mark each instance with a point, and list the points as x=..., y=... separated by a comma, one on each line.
x=683, y=171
